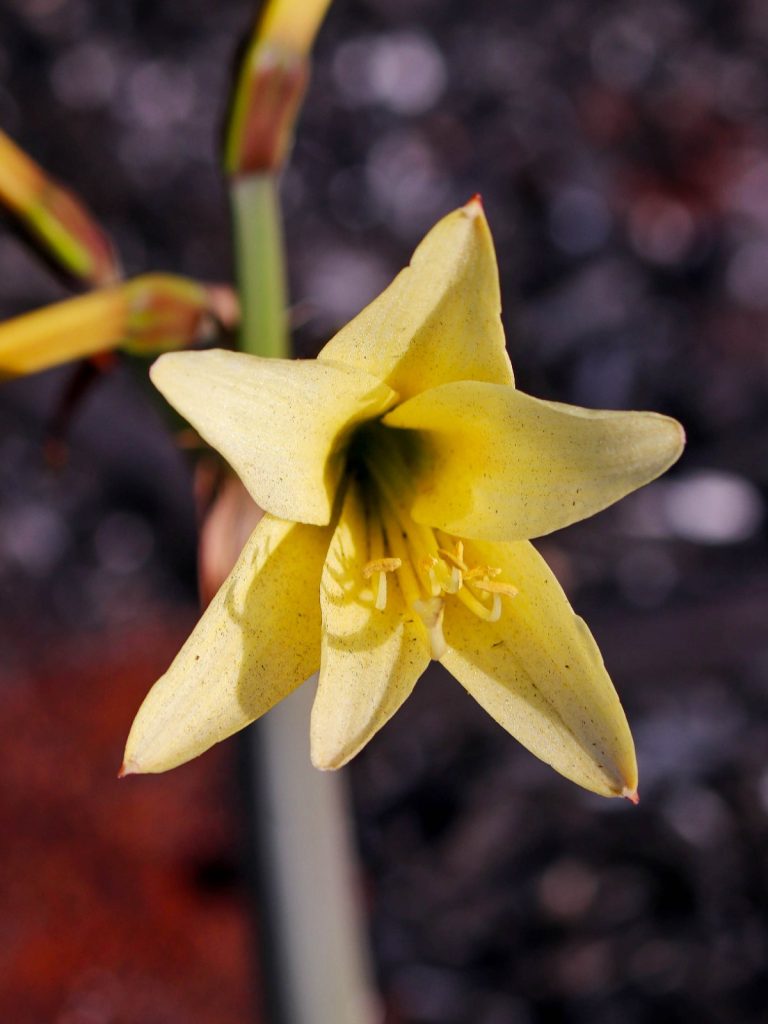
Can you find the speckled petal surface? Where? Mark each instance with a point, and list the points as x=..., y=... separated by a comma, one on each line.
x=280, y=423
x=371, y=659
x=500, y=465
x=539, y=674
x=439, y=320
x=257, y=641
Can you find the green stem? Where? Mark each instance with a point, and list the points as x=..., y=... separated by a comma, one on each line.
x=260, y=265
x=316, y=960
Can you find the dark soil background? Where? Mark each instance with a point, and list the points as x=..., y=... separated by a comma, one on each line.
x=622, y=153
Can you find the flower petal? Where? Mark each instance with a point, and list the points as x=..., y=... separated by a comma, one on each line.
x=500, y=465
x=371, y=658
x=539, y=674
x=256, y=642
x=439, y=319
x=281, y=424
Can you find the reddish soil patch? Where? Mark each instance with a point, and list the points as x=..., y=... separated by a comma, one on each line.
x=122, y=901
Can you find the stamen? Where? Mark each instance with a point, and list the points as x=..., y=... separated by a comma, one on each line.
x=430, y=564
x=455, y=557
x=409, y=583
x=442, y=579
x=478, y=608
x=481, y=572
x=491, y=587
x=380, y=567
x=381, y=593
x=486, y=586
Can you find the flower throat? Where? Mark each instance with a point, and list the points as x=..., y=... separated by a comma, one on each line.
x=429, y=564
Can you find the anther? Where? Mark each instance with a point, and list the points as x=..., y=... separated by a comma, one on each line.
x=455, y=557
x=492, y=587
x=381, y=566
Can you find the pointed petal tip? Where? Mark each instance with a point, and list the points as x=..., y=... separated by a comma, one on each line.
x=682, y=438
x=474, y=208
x=674, y=440
x=328, y=762
x=128, y=768
x=170, y=363
x=155, y=371
x=670, y=439
x=631, y=794
x=160, y=365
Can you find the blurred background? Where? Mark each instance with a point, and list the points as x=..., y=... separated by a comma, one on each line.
x=622, y=153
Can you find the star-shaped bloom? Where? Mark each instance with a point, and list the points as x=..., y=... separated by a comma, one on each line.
x=403, y=476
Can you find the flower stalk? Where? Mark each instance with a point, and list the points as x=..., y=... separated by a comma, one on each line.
x=316, y=968
x=260, y=265
x=265, y=103
x=316, y=962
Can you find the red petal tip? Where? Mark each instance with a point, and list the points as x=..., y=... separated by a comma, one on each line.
x=475, y=206
x=126, y=768
x=632, y=795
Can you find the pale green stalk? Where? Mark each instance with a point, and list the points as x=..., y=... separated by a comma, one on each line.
x=315, y=958
x=260, y=265
x=314, y=949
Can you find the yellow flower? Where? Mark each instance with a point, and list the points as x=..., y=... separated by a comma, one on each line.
x=403, y=475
